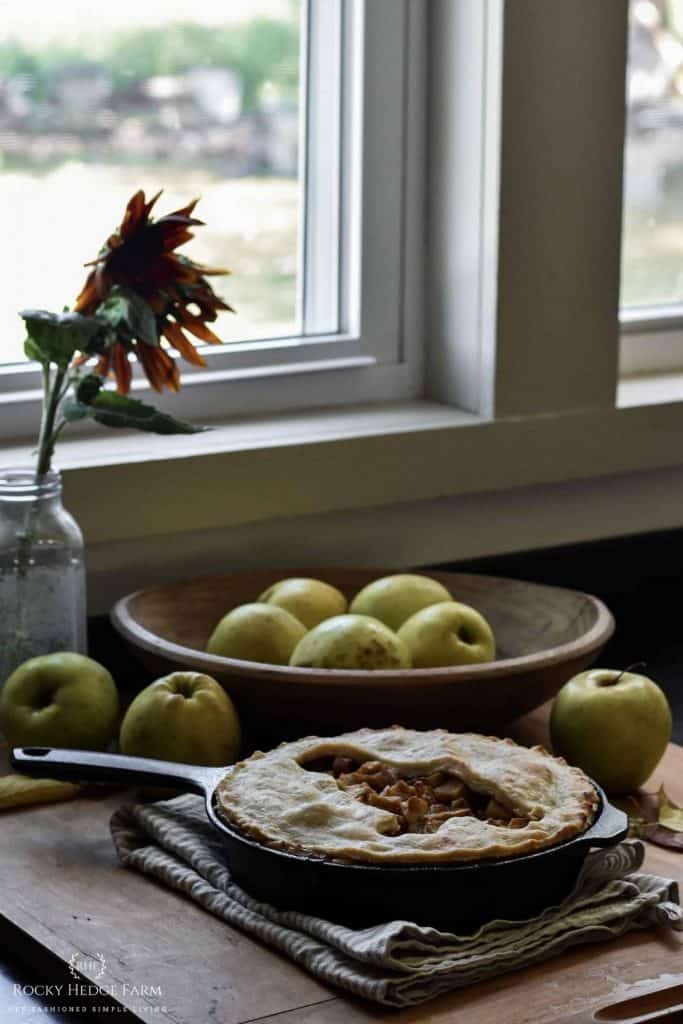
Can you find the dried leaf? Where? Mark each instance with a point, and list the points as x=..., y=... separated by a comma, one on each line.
x=664, y=837
x=20, y=791
x=640, y=815
x=640, y=828
x=670, y=816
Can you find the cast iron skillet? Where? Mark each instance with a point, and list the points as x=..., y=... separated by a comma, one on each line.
x=452, y=897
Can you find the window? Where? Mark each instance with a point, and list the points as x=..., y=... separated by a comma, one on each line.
x=524, y=119
x=202, y=100
x=285, y=116
x=652, y=254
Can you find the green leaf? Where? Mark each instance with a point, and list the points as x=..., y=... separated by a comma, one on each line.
x=57, y=337
x=130, y=316
x=32, y=352
x=114, y=410
x=74, y=411
x=88, y=388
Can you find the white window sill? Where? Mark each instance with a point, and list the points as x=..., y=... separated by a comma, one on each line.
x=285, y=430
x=650, y=389
x=401, y=484
x=124, y=486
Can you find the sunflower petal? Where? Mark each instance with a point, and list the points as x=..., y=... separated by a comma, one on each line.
x=185, y=211
x=133, y=215
x=170, y=369
x=148, y=361
x=181, y=271
x=103, y=364
x=122, y=369
x=173, y=235
x=148, y=206
x=102, y=283
x=196, y=326
x=183, y=345
x=211, y=271
x=88, y=298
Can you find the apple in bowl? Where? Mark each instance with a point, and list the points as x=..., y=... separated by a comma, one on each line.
x=448, y=633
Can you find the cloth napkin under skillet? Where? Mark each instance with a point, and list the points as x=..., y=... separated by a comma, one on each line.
x=397, y=963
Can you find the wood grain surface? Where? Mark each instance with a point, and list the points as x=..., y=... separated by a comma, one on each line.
x=543, y=634
x=64, y=894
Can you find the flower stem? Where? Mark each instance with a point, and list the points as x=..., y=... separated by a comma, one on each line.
x=53, y=393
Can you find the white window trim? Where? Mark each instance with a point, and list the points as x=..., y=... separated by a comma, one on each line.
x=651, y=341
x=376, y=127
x=321, y=158
x=466, y=61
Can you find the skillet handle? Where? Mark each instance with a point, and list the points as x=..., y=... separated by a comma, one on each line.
x=89, y=766
x=610, y=828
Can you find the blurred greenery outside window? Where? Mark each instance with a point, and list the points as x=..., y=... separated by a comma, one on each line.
x=200, y=100
x=652, y=259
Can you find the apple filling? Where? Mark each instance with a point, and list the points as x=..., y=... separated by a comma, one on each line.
x=420, y=803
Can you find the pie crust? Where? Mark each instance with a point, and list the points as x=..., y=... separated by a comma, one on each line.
x=397, y=795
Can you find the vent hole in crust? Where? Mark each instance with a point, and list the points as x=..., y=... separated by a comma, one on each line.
x=419, y=803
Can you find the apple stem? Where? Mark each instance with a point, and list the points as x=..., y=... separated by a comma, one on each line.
x=629, y=668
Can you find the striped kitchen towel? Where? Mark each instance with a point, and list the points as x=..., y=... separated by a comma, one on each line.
x=398, y=963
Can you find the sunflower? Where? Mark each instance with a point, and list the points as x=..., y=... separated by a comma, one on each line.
x=140, y=257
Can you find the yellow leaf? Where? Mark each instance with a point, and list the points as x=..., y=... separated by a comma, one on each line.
x=638, y=825
x=19, y=791
x=670, y=816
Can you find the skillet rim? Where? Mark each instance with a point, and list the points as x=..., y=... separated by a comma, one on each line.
x=582, y=839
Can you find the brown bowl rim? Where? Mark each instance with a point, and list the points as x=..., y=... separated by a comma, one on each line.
x=131, y=630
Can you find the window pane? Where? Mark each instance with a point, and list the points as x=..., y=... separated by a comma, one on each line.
x=197, y=99
x=652, y=266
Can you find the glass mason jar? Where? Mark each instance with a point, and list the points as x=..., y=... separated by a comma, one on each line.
x=42, y=575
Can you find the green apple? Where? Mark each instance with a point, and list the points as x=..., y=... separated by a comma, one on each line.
x=393, y=599
x=186, y=716
x=257, y=632
x=59, y=700
x=448, y=633
x=351, y=642
x=615, y=725
x=310, y=601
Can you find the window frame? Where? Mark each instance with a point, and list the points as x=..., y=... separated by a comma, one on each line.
x=374, y=221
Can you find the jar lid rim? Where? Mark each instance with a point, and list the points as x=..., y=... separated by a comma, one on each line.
x=20, y=481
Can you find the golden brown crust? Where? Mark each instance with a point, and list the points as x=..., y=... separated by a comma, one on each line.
x=274, y=799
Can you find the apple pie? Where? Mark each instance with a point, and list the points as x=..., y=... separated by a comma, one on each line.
x=396, y=795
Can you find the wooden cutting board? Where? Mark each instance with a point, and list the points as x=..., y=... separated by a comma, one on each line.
x=66, y=900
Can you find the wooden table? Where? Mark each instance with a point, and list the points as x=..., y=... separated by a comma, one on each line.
x=64, y=896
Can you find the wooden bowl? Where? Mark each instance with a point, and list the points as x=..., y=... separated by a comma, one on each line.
x=544, y=636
